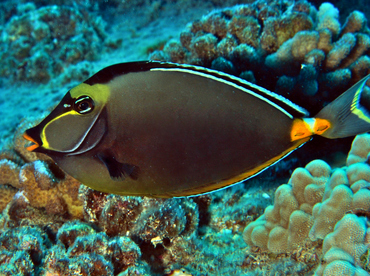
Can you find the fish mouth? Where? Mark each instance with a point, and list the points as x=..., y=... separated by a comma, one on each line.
x=33, y=146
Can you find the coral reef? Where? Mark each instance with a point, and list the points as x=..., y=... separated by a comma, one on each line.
x=165, y=235
x=78, y=249
x=343, y=247
x=288, y=47
x=313, y=206
x=41, y=182
x=148, y=219
x=162, y=228
x=22, y=250
x=34, y=35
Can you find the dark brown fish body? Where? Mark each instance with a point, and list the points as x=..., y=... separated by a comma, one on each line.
x=175, y=132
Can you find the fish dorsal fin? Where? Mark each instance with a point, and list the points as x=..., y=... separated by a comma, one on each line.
x=286, y=106
x=276, y=100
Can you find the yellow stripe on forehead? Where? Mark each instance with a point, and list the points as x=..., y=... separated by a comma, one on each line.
x=98, y=92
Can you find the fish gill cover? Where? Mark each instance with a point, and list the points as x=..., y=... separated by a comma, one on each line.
x=308, y=52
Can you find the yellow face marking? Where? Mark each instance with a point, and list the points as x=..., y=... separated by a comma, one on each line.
x=45, y=143
x=98, y=92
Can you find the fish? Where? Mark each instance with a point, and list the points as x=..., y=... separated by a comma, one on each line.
x=179, y=272
x=161, y=129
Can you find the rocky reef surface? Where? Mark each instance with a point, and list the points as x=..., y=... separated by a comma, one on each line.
x=315, y=223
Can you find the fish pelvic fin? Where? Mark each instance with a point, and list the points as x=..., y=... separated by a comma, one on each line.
x=349, y=114
x=117, y=170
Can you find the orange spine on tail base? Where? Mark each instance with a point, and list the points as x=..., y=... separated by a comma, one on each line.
x=307, y=127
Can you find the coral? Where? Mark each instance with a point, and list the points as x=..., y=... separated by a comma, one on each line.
x=7, y=194
x=41, y=182
x=68, y=233
x=162, y=228
x=22, y=250
x=288, y=47
x=360, y=149
x=86, y=264
x=145, y=218
x=321, y=204
x=343, y=247
x=285, y=226
x=349, y=187
x=313, y=201
x=42, y=188
x=80, y=248
x=168, y=231
x=9, y=176
x=9, y=173
x=43, y=191
x=328, y=17
x=67, y=34
x=355, y=22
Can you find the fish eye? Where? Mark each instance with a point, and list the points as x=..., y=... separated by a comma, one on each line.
x=84, y=104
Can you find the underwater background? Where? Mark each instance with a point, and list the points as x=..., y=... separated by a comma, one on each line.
x=307, y=215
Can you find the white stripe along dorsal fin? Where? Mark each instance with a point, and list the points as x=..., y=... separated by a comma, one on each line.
x=279, y=102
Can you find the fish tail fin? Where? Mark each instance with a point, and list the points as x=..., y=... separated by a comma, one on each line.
x=349, y=114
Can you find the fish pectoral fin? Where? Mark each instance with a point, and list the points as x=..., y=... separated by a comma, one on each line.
x=117, y=170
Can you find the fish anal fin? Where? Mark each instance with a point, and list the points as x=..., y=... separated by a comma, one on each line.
x=119, y=171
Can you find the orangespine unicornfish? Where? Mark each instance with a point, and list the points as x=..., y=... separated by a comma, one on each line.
x=163, y=129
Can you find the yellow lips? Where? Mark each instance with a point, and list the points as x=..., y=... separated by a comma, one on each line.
x=29, y=138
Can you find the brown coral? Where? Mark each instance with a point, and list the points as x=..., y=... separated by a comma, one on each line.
x=44, y=190
x=40, y=181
